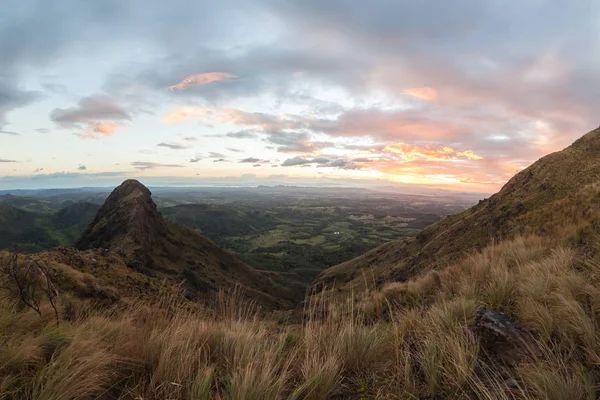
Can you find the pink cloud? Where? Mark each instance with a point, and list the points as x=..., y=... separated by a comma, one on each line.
x=202, y=79
x=426, y=94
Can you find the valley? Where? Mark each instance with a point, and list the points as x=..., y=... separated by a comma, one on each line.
x=285, y=229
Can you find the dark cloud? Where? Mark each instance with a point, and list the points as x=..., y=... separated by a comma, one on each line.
x=3, y=160
x=38, y=170
x=81, y=168
x=212, y=154
x=10, y=133
x=341, y=164
x=243, y=134
x=298, y=160
x=321, y=162
x=250, y=160
x=295, y=142
x=220, y=160
x=196, y=159
x=11, y=96
x=174, y=146
x=149, y=165
x=92, y=108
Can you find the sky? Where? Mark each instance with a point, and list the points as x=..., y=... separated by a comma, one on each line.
x=457, y=94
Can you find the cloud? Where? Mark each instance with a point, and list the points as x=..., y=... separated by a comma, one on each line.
x=143, y=165
x=10, y=133
x=202, y=79
x=12, y=96
x=409, y=152
x=243, y=134
x=250, y=160
x=174, y=146
x=425, y=93
x=3, y=160
x=38, y=170
x=185, y=114
x=93, y=116
x=298, y=160
x=81, y=168
x=220, y=160
x=190, y=139
x=211, y=155
x=341, y=163
x=235, y=150
x=92, y=108
x=365, y=74
x=321, y=162
x=105, y=128
x=42, y=130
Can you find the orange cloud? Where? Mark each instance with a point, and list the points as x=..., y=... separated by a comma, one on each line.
x=469, y=155
x=202, y=79
x=103, y=128
x=427, y=94
x=410, y=152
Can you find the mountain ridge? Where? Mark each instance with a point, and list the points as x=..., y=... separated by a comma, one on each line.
x=550, y=196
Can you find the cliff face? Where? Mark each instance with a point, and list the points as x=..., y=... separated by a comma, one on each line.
x=128, y=219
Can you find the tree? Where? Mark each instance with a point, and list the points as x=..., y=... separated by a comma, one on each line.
x=29, y=280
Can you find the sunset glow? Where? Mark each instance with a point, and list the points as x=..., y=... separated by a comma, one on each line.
x=307, y=92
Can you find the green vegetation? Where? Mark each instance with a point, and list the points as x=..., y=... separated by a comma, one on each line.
x=304, y=229
x=34, y=231
x=285, y=229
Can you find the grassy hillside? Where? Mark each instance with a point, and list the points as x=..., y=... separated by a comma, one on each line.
x=419, y=339
x=556, y=197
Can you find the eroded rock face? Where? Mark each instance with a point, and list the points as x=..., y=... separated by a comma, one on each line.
x=503, y=339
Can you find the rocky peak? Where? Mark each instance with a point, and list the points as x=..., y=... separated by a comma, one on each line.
x=128, y=220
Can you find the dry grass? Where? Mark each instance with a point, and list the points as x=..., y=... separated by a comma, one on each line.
x=410, y=340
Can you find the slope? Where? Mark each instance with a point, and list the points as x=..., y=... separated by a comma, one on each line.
x=129, y=225
x=556, y=197
x=32, y=231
